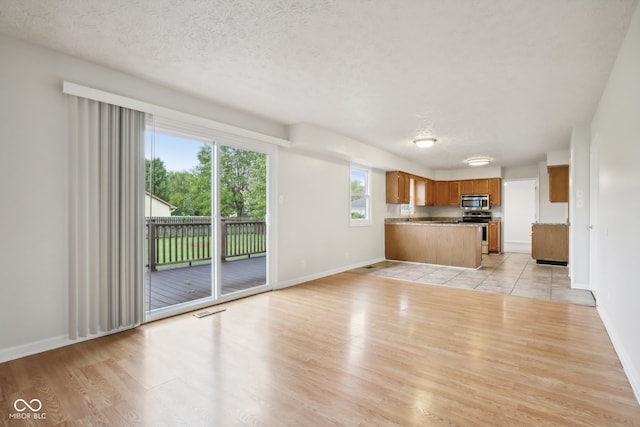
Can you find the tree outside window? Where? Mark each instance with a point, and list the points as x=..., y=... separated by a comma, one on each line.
x=360, y=196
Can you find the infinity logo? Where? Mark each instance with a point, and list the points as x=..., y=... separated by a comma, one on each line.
x=26, y=405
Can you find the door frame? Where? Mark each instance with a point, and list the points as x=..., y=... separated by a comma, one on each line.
x=594, y=193
x=505, y=217
x=216, y=138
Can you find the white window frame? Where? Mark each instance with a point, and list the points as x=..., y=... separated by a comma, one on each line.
x=357, y=222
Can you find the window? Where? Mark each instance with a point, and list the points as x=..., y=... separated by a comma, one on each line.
x=360, y=196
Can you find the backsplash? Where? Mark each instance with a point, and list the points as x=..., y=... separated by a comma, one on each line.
x=395, y=211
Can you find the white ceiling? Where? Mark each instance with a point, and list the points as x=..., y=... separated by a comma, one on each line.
x=503, y=78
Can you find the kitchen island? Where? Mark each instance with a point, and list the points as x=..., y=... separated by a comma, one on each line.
x=550, y=243
x=433, y=242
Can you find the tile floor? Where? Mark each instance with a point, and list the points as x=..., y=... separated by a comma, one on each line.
x=508, y=274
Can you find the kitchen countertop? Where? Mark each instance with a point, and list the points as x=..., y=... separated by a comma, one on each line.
x=422, y=219
x=435, y=219
x=438, y=223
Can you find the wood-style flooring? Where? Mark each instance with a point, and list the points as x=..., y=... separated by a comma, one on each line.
x=345, y=350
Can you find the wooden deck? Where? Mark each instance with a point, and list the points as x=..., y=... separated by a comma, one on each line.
x=172, y=286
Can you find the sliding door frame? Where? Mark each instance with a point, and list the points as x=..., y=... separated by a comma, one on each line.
x=217, y=139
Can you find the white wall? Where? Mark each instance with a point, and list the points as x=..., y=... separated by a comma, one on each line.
x=579, y=208
x=470, y=172
x=322, y=143
x=553, y=213
x=314, y=236
x=33, y=245
x=520, y=172
x=617, y=129
x=558, y=158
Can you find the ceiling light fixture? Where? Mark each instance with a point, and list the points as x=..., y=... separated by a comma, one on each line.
x=424, y=142
x=478, y=161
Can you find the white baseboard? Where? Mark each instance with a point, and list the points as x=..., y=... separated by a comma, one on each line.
x=28, y=349
x=584, y=286
x=632, y=371
x=314, y=276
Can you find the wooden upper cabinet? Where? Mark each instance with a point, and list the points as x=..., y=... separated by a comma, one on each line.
x=474, y=186
x=430, y=193
x=495, y=195
x=467, y=187
x=558, y=183
x=454, y=193
x=424, y=192
x=420, y=192
x=439, y=193
x=398, y=187
x=442, y=193
x=481, y=186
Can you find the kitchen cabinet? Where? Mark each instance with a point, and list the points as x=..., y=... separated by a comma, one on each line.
x=481, y=186
x=558, y=183
x=454, y=193
x=494, y=237
x=457, y=245
x=442, y=193
x=467, y=187
x=495, y=187
x=439, y=193
x=550, y=242
x=490, y=186
x=398, y=187
x=423, y=189
x=420, y=192
x=430, y=197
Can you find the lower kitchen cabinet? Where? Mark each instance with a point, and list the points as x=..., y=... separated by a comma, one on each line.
x=456, y=245
x=550, y=242
x=494, y=237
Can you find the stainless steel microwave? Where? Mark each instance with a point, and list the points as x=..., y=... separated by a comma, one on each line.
x=474, y=202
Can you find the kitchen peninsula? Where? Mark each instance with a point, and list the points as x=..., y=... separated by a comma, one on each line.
x=434, y=242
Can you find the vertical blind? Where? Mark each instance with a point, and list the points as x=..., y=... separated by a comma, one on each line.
x=106, y=212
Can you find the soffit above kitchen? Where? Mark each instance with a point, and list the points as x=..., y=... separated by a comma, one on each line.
x=506, y=79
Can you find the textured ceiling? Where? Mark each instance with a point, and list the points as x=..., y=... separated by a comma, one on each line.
x=502, y=78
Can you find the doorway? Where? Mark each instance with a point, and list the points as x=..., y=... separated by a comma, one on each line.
x=519, y=213
x=206, y=206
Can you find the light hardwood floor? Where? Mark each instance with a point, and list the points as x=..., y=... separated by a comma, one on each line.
x=347, y=350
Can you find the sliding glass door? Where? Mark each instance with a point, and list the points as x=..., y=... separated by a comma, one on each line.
x=180, y=238
x=242, y=209
x=205, y=210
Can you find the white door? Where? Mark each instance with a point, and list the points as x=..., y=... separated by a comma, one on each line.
x=519, y=212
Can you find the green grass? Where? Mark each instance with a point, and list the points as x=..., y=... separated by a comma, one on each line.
x=188, y=247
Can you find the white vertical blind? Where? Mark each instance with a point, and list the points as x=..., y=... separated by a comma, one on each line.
x=106, y=211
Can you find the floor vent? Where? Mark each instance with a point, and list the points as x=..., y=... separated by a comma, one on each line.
x=208, y=312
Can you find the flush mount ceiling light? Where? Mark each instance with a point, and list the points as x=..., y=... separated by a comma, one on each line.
x=424, y=142
x=478, y=161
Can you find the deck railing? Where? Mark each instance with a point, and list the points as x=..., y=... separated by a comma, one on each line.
x=184, y=240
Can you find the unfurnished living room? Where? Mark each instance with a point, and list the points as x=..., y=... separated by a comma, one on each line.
x=310, y=213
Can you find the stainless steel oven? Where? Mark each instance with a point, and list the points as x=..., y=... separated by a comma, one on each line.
x=482, y=218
